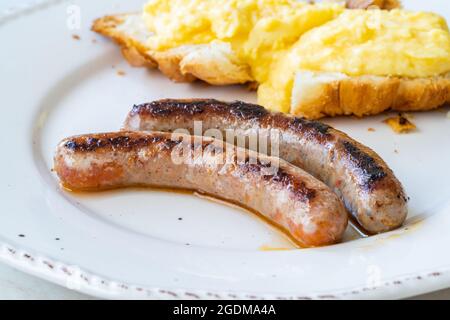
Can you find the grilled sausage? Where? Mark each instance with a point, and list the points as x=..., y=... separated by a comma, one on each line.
x=301, y=205
x=365, y=183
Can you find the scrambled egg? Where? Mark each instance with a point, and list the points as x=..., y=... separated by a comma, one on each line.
x=258, y=30
x=276, y=38
x=377, y=42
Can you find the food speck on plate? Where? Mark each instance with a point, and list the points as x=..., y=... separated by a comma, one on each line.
x=400, y=124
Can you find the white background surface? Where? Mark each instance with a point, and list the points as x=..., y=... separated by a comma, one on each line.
x=17, y=285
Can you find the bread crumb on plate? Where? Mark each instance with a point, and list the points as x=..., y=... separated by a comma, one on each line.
x=400, y=124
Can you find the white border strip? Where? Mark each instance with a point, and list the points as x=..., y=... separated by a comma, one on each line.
x=77, y=279
x=74, y=278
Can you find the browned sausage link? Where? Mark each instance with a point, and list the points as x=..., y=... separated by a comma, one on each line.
x=366, y=184
x=290, y=198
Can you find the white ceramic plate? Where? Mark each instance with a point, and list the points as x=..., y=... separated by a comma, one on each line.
x=131, y=243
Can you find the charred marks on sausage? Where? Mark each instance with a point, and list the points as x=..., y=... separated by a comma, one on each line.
x=167, y=107
x=120, y=142
x=247, y=111
x=169, y=144
x=314, y=127
x=238, y=109
x=298, y=187
x=281, y=177
x=403, y=197
x=242, y=110
x=309, y=129
x=371, y=172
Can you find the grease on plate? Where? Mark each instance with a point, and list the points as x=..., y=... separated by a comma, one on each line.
x=396, y=234
x=270, y=248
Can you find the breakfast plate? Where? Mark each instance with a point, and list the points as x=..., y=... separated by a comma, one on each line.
x=60, y=79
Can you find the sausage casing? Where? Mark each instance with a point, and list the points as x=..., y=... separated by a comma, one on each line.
x=365, y=183
x=289, y=197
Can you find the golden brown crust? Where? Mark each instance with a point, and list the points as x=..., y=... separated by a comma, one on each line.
x=133, y=51
x=365, y=4
x=422, y=94
x=169, y=64
x=181, y=64
x=136, y=53
x=368, y=95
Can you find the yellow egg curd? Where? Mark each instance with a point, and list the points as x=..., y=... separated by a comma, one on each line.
x=276, y=38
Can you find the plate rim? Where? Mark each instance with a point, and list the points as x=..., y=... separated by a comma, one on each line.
x=94, y=284
x=90, y=283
